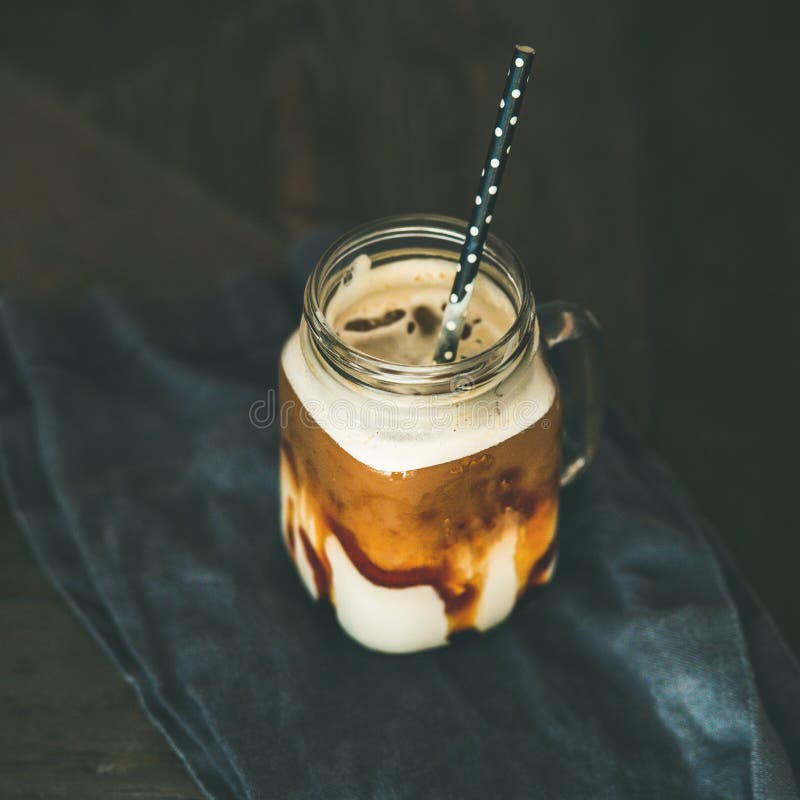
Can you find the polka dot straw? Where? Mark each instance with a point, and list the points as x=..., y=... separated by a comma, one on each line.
x=481, y=216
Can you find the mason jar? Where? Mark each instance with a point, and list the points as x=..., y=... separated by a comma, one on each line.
x=421, y=499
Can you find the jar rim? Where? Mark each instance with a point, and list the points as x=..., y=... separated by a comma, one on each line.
x=469, y=373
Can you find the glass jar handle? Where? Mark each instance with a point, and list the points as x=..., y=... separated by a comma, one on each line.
x=575, y=351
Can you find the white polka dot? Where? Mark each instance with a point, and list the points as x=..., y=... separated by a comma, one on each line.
x=483, y=172
x=502, y=103
x=453, y=298
x=495, y=162
x=477, y=199
x=488, y=217
x=448, y=356
x=492, y=190
x=458, y=268
x=508, y=149
x=468, y=288
x=516, y=93
x=451, y=326
x=473, y=231
x=472, y=258
x=519, y=62
x=513, y=120
x=498, y=132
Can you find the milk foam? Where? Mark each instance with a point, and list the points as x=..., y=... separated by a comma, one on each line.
x=398, y=433
x=394, y=312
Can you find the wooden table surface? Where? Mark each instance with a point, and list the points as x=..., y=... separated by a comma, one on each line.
x=154, y=146
x=70, y=726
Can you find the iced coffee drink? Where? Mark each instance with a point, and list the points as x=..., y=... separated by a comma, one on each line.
x=421, y=500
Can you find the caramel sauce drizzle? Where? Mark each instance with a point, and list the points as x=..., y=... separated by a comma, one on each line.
x=460, y=599
x=321, y=571
x=290, y=535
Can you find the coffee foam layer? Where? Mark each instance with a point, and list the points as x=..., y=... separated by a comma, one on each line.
x=397, y=433
x=394, y=312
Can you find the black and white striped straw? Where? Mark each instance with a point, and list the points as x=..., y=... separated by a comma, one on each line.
x=483, y=207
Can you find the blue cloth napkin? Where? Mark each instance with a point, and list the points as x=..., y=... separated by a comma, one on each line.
x=646, y=670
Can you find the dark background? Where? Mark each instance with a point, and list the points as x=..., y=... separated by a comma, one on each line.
x=152, y=146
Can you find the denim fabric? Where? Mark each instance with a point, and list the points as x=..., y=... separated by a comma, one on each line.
x=646, y=670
